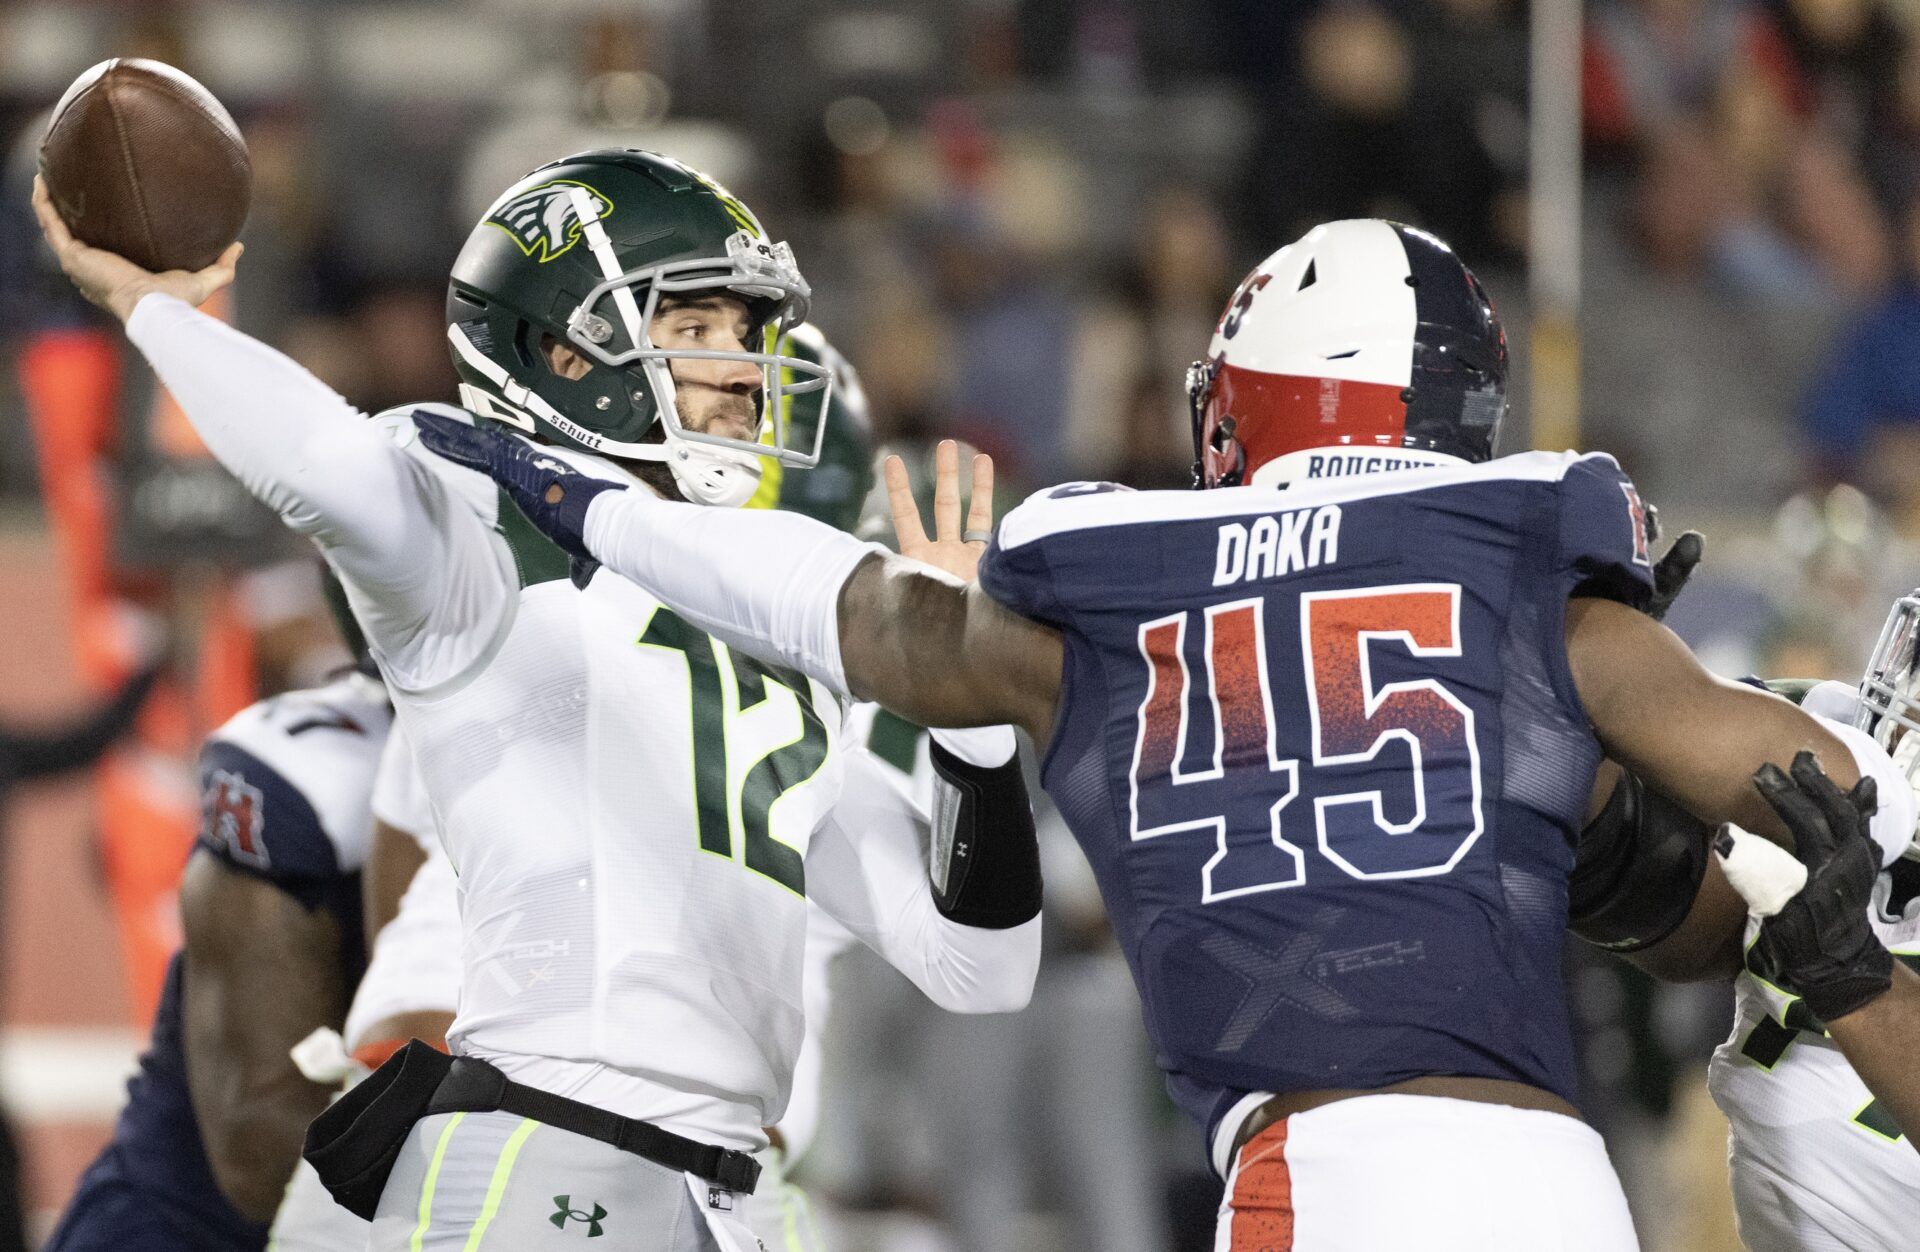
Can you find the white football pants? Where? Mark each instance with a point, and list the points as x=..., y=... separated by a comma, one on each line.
x=1400, y=1171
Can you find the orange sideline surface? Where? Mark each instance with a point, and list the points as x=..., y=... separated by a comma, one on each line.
x=62, y=963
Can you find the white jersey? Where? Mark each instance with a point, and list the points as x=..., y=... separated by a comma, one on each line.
x=285, y=782
x=628, y=807
x=415, y=963
x=633, y=810
x=1817, y=1165
x=415, y=966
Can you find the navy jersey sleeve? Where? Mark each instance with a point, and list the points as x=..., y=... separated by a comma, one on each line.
x=255, y=820
x=1603, y=534
x=1015, y=569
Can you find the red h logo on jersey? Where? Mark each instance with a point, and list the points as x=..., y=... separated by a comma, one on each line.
x=235, y=810
x=1638, y=512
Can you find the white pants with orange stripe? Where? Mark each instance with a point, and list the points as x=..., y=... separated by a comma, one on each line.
x=1390, y=1172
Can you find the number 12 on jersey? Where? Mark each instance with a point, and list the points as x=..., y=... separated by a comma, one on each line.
x=1404, y=814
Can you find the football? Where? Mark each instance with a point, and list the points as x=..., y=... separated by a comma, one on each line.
x=141, y=160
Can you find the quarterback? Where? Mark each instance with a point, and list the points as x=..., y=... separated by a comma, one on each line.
x=412, y=981
x=638, y=814
x=1346, y=927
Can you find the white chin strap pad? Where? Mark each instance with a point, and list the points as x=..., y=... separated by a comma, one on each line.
x=720, y=477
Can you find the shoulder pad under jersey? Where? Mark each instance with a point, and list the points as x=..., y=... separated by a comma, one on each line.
x=1603, y=531
x=479, y=491
x=1014, y=570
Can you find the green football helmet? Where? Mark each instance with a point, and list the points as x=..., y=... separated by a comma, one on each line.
x=581, y=251
x=836, y=488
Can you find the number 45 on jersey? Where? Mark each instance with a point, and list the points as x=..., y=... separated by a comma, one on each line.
x=1372, y=816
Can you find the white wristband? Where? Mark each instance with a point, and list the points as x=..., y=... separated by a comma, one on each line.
x=1765, y=874
x=985, y=746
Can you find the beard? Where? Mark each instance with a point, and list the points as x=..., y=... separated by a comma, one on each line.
x=715, y=407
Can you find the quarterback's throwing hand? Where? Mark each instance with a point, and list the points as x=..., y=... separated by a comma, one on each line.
x=1820, y=945
x=115, y=283
x=952, y=549
x=551, y=493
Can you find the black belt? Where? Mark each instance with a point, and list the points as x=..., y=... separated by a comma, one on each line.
x=473, y=1086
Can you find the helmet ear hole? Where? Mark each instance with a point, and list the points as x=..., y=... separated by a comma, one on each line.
x=561, y=360
x=523, y=347
x=1223, y=435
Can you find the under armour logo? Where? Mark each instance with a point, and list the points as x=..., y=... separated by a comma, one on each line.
x=564, y=1212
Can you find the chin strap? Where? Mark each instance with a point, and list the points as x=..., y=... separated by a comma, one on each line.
x=721, y=477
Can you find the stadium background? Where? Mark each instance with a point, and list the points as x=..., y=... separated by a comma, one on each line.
x=1020, y=218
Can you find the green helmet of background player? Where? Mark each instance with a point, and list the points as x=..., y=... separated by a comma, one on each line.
x=836, y=489
x=580, y=252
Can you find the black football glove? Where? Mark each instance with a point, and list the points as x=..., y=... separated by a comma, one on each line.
x=1820, y=945
x=552, y=494
x=1671, y=572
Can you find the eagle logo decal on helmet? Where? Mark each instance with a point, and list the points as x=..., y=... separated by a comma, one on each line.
x=543, y=220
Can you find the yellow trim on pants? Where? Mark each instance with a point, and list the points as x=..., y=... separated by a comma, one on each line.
x=433, y=1176
x=497, y=1186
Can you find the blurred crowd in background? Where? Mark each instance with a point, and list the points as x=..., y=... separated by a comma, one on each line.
x=1021, y=219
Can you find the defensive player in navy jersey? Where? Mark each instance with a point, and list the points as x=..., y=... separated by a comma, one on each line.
x=1327, y=731
x=270, y=902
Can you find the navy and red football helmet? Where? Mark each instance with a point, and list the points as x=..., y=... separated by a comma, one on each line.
x=1365, y=345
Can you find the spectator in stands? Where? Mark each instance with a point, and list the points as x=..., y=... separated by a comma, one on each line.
x=1650, y=64
x=1371, y=128
x=1011, y=326
x=1892, y=156
x=1846, y=61
x=1136, y=336
x=1740, y=179
x=1866, y=398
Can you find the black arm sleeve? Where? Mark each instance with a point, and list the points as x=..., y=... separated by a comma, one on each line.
x=986, y=858
x=1637, y=869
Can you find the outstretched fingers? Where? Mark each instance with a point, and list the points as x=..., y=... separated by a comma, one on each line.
x=946, y=492
x=1844, y=810
x=457, y=441
x=222, y=271
x=1813, y=835
x=59, y=238
x=907, y=530
x=980, y=507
